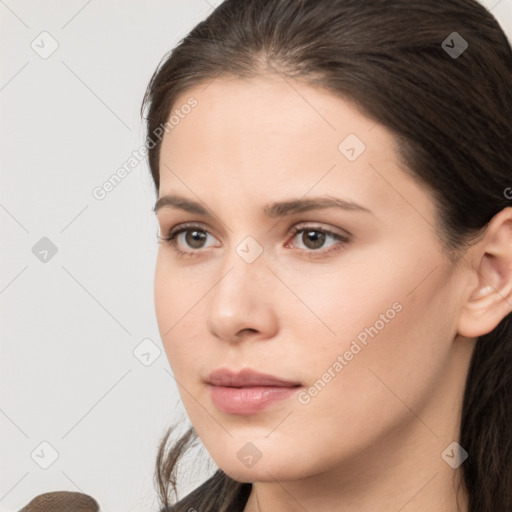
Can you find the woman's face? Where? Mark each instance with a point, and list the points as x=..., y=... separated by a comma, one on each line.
x=358, y=308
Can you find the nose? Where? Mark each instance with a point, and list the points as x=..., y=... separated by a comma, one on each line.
x=243, y=302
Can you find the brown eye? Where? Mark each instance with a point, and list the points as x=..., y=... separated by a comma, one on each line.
x=313, y=238
x=190, y=237
x=194, y=238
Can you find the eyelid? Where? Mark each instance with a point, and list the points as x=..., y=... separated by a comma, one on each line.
x=342, y=233
x=185, y=226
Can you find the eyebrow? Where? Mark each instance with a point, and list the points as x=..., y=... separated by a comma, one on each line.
x=273, y=210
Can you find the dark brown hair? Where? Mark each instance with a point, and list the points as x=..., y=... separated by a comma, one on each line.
x=451, y=116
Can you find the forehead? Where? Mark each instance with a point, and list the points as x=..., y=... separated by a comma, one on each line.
x=266, y=122
x=263, y=106
x=270, y=137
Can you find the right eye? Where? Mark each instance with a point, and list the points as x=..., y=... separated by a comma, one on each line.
x=194, y=238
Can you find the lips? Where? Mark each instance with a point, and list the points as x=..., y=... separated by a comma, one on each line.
x=247, y=392
x=246, y=378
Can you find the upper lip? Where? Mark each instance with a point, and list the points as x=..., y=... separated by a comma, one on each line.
x=246, y=378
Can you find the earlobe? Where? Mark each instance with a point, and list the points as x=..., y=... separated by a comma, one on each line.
x=490, y=300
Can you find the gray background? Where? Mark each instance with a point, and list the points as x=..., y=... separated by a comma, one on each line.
x=82, y=364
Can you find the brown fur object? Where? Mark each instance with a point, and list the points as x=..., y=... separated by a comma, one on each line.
x=59, y=501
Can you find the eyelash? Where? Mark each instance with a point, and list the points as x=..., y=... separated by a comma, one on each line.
x=170, y=239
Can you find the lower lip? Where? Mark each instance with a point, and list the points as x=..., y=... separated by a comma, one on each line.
x=249, y=400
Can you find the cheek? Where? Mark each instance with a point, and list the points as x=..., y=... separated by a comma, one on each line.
x=179, y=307
x=170, y=310
x=162, y=296
x=175, y=292
x=347, y=304
x=377, y=332
x=394, y=355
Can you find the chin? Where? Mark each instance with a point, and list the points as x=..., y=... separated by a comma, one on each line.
x=264, y=470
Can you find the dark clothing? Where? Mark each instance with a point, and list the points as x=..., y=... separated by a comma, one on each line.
x=197, y=501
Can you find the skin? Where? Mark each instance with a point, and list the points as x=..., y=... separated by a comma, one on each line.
x=372, y=438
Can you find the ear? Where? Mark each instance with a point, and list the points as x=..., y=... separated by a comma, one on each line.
x=490, y=299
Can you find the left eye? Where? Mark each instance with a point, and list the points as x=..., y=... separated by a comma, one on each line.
x=314, y=237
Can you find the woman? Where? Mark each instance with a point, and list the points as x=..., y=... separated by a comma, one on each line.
x=333, y=285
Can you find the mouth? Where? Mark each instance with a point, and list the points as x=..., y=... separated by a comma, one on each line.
x=247, y=392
